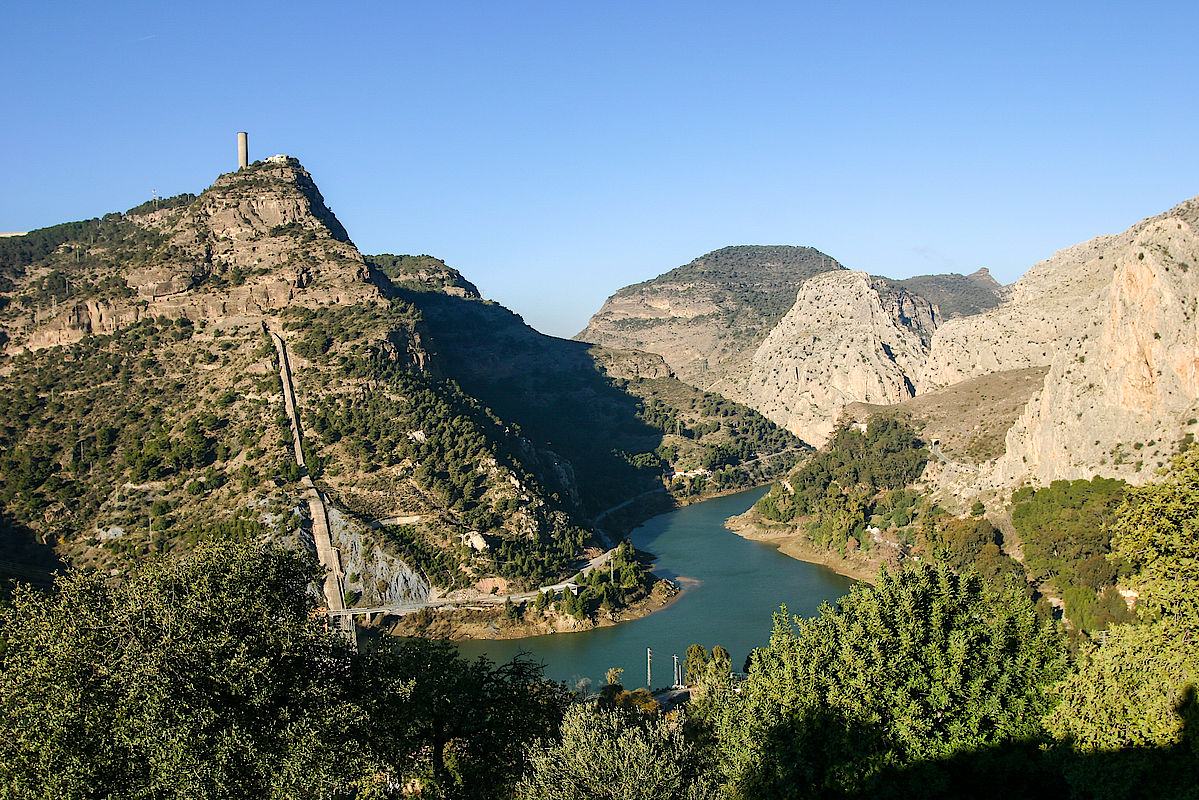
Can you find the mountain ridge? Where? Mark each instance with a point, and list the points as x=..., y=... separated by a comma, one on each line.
x=141, y=337
x=1110, y=320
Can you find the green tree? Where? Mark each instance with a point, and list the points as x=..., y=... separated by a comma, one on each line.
x=606, y=755
x=208, y=677
x=464, y=724
x=1137, y=690
x=923, y=666
x=695, y=663
x=197, y=677
x=1157, y=534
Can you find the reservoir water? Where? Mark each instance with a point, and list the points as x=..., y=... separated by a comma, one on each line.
x=731, y=586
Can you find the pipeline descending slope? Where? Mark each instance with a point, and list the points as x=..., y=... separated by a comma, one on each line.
x=326, y=553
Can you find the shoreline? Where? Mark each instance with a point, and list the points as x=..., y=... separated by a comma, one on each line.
x=476, y=624
x=796, y=545
x=473, y=624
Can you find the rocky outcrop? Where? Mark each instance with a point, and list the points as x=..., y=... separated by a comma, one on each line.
x=1124, y=388
x=849, y=337
x=1053, y=303
x=378, y=577
x=255, y=242
x=705, y=318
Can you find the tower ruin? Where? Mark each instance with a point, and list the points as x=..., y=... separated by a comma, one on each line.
x=243, y=150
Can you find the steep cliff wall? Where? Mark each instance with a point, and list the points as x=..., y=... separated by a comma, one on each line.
x=848, y=337
x=1124, y=388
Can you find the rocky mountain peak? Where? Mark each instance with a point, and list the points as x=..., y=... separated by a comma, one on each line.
x=266, y=195
x=254, y=242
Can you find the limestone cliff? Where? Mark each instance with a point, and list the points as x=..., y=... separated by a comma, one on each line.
x=848, y=337
x=1112, y=325
x=1092, y=353
x=1123, y=386
x=705, y=318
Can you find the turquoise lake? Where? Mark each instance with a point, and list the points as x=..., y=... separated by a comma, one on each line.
x=731, y=586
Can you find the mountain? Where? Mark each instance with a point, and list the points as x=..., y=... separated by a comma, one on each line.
x=705, y=317
x=848, y=337
x=1086, y=365
x=1122, y=387
x=957, y=295
x=789, y=331
x=142, y=408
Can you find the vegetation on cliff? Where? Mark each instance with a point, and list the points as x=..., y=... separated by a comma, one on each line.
x=1065, y=530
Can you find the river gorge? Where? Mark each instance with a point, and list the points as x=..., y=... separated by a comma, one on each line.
x=731, y=586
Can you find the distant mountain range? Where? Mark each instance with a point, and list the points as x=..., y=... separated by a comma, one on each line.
x=1089, y=364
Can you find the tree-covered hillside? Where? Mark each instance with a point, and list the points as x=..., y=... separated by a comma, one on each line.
x=755, y=281
x=143, y=411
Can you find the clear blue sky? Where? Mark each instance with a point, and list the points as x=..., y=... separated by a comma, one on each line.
x=556, y=151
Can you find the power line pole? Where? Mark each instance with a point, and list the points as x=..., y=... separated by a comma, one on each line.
x=649, y=675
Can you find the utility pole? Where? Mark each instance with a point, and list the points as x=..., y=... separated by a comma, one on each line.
x=649, y=674
x=678, y=671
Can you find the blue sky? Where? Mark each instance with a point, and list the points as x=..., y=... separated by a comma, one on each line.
x=556, y=151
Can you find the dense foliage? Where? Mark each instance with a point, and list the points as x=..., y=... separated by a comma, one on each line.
x=121, y=430
x=611, y=755
x=1136, y=691
x=963, y=544
x=922, y=666
x=889, y=455
x=854, y=479
x=207, y=676
x=1065, y=529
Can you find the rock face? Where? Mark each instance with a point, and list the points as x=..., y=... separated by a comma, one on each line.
x=1050, y=305
x=1112, y=324
x=849, y=337
x=1123, y=388
x=379, y=577
x=245, y=247
x=705, y=318
x=1112, y=320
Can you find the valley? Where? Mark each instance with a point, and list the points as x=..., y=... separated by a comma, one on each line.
x=229, y=438
x=228, y=367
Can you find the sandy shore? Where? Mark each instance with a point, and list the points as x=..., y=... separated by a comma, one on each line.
x=796, y=545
